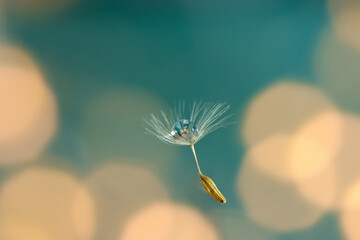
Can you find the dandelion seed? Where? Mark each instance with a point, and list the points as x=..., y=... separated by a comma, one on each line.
x=174, y=128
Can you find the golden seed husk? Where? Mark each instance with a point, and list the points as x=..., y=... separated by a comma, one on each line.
x=211, y=189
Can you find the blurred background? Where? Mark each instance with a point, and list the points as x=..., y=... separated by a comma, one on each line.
x=76, y=77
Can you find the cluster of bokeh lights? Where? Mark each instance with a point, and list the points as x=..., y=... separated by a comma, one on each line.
x=302, y=156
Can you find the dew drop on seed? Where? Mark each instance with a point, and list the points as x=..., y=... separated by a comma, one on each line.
x=185, y=129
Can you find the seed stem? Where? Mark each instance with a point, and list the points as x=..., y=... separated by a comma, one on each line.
x=197, y=164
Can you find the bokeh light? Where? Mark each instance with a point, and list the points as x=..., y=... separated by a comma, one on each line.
x=278, y=110
x=84, y=214
x=22, y=96
x=346, y=25
x=272, y=156
x=315, y=144
x=13, y=55
x=321, y=189
x=120, y=191
x=274, y=204
x=320, y=159
x=345, y=21
x=350, y=211
x=300, y=156
x=27, y=108
x=39, y=203
x=335, y=7
x=347, y=162
x=168, y=221
x=328, y=187
x=337, y=70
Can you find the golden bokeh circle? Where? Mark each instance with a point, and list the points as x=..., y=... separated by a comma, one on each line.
x=274, y=204
x=119, y=191
x=27, y=106
x=350, y=211
x=279, y=110
x=42, y=203
x=168, y=221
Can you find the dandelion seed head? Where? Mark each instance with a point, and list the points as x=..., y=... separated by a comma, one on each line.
x=176, y=128
x=186, y=128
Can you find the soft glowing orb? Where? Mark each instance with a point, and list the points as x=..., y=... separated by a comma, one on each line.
x=27, y=108
x=316, y=144
x=120, y=190
x=274, y=204
x=321, y=189
x=337, y=70
x=346, y=26
x=347, y=164
x=168, y=221
x=272, y=156
x=350, y=212
x=45, y=204
x=281, y=109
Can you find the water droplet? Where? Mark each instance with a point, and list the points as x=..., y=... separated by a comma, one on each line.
x=185, y=129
